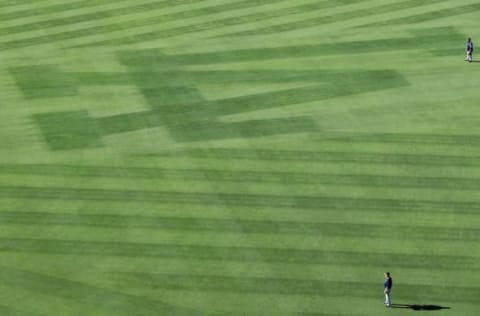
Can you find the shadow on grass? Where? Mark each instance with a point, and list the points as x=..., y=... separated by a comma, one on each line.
x=417, y=307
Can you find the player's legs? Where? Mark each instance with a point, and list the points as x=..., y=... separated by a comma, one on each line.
x=387, y=298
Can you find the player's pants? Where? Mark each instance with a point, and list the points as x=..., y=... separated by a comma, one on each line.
x=469, y=56
x=387, y=298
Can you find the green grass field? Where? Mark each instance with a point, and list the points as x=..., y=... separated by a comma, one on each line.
x=240, y=157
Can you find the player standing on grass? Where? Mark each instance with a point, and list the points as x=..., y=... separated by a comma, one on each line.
x=387, y=287
x=469, y=50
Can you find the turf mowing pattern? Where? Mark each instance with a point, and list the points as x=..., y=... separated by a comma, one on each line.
x=244, y=157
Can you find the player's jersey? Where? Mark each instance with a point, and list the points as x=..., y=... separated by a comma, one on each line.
x=388, y=283
x=469, y=46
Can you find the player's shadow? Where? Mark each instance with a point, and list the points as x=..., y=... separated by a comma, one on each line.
x=419, y=307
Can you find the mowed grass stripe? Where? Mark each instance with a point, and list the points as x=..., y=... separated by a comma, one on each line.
x=92, y=16
x=429, y=16
x=389, y=148
x=202, y=26
x=336, y=18
x=367, y=245
x=150, y=77
x=125, y=25
x=450, y=219
x=62, y=36
x=202, y=113
x=96, y=15
x=329, y=156
x=10, y=311
x=21, y=3
x=304, y=166
x=218, y=175
x=406, y=138
x=428, y=40
x=224, y=22
x=237, y=254
x=317, y=272
x=102, y=300
x=290, y=286
x=257, y=200
x=239, y=226
x=54, y=9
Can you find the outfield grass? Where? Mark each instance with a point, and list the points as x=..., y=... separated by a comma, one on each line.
x=243, y=157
